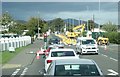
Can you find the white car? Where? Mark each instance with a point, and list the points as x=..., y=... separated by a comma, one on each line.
x=56, y=54
x=86, y=45
x=73, y=67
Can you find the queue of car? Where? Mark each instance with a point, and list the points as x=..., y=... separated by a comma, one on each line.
x=61, y=61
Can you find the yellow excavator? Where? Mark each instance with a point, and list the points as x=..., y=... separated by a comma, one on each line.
x=77, y=31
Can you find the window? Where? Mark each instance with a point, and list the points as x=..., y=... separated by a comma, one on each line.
x=76, y=69
x=62, y=53
x=88, y=42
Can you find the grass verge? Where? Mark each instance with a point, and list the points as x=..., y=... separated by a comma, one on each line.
x=6, y=56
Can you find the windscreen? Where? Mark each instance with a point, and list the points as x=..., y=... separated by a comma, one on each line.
x=80, y=69
x=62, y=53
x=88, y=42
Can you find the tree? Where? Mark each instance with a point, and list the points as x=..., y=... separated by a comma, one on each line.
x=91, y=25
x=56, y=24
x=17, y=28
x=33, y=24
x=7, y=20
x=109, y=27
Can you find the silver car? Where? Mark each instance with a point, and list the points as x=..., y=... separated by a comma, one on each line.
x=73, y=67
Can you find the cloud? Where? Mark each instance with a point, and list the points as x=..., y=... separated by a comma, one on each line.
x=100, y=17
x=59, y=0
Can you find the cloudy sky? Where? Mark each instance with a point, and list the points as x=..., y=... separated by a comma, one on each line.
x=103, y=11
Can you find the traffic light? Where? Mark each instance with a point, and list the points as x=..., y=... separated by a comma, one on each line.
x=45, y=37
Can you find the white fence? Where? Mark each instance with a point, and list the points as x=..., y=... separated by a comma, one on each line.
x=17, y=42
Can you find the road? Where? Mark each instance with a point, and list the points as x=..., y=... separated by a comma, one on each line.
x=26, y=63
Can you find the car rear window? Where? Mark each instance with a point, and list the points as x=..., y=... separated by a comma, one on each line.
x=62, y=53
x=72, y=70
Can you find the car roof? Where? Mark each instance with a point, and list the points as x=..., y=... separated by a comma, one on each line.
x=74, y=61
x=53, y=50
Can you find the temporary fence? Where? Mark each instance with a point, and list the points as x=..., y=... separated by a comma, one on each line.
x=15, y=42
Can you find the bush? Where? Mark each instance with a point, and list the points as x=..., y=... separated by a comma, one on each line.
x=114, y=37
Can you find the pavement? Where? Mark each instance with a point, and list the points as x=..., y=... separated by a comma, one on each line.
x=23, y=59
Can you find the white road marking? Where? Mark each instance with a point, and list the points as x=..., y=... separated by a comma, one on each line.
x=16, y=71
x=104, y=55
x=113, y=59
x=112, y=72
x=24, y=71
x=109, y=57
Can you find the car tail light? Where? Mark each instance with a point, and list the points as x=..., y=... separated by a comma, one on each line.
x=49, y=61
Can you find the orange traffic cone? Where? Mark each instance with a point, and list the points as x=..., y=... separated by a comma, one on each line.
x=38, y=56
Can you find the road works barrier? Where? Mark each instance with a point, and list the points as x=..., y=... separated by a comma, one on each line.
x=16, y=42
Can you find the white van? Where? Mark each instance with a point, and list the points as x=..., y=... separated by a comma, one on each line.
x=86, y=45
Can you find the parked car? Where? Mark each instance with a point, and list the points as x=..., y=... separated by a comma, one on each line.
x=86, y=45
x=56, y=54
x=73, y=67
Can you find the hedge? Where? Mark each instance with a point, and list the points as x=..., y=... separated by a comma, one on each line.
x=114, y=37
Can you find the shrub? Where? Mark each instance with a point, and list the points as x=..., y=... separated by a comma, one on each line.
x=114, y=37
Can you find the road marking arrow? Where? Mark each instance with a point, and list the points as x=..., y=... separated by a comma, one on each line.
x=112, y=72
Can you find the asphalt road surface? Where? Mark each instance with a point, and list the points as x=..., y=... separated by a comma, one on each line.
x=26, y=63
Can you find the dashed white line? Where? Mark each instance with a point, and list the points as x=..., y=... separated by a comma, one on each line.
x=112, y=72
x=109, y=57
x=113, y=59
x=14, y=73
x=104, y=55
x=24, y=71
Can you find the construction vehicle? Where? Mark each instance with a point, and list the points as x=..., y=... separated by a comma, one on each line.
x=102, y=41
x=100, y=38
x=78, y=30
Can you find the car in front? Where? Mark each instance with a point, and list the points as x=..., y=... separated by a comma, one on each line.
x=74, y=67
x=56, y=54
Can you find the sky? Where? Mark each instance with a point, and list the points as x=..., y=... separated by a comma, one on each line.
x=103, y=12
x=59, y=0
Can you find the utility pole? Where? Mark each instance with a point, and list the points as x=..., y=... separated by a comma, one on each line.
x=68, y=24
x=87, y=26
x=99, y=13
x=73, y=24
x=93, y=22
x=79, y=21
x=38, y=25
